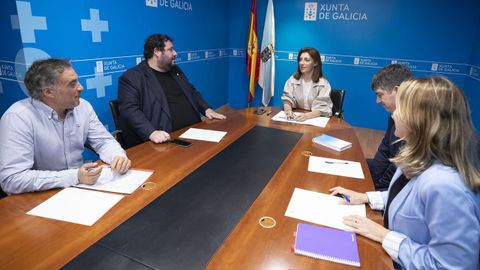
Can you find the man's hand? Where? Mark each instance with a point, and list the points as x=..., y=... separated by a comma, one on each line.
x=120, y=164
x=89, y=173
x=211, y=114
x=159, y=136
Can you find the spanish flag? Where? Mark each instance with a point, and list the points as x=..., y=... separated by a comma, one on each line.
x=253, y=60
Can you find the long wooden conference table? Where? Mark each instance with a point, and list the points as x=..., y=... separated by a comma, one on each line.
x=29, y=242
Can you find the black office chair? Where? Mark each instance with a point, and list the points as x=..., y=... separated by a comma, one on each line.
x=115, y=114
x=2, y=194
x=337, y=96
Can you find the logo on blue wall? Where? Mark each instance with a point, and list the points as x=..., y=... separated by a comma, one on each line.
x=174, y=4
x=26, y=22
x=310, y=11
x=99, y=82
x=335, y=12
x=95, y=25
x=151, y=3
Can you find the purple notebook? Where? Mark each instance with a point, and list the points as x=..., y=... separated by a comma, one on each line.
x=327, y=244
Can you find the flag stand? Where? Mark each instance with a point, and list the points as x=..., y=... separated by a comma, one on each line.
x=260, y=111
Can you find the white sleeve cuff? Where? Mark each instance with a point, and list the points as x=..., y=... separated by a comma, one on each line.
x=391, y=243
x=375, y=200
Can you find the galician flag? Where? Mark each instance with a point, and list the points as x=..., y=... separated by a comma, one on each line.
x=252, y=53
x=266, y=78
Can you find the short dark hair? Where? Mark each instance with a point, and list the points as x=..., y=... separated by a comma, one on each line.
x=390, y=76
x=44, y=73
x=155, y=41
x=317, y=71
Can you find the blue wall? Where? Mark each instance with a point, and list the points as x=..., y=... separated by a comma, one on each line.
x=472, y=82
x=432, y=38
x=441, y=37
x=200, y=37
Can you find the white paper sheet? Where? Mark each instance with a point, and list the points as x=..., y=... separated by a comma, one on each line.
x=317, y=121
x=121, y=183
x=322, y=208
x=336, y=167
x=76, y=205
x=203, y=135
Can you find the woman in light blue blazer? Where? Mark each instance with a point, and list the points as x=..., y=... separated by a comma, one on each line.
x=432, y=207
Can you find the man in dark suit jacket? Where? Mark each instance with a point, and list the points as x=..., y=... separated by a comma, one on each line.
x=155, y=97
x=385, y=84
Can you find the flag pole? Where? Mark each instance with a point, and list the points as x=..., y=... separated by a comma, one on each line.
x=266, y=78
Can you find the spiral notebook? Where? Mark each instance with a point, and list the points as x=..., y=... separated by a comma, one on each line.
x=327, y=244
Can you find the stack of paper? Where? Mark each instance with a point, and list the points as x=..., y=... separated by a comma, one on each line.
x=76, y=205
x=121, y=183
x=322, y=208
x=86, y=207
x=203, y=135
x=335, y=167
x=317, y=121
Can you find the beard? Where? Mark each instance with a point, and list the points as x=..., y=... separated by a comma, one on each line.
x=166, y=65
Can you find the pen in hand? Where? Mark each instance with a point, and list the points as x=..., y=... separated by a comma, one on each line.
x=91, y=168
x=346, y=198
x=89, y=173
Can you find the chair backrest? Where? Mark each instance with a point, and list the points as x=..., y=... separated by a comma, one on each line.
x=337, y=96
x=115, y=114
x=115, y=111
x=2, y=194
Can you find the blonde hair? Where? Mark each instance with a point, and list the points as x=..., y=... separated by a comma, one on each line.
x=436, y=116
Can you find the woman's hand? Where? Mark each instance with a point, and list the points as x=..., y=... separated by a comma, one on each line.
x=366, y=227
x=287, y=108
x=308, y=115
x=353, y=197
x=301, y=117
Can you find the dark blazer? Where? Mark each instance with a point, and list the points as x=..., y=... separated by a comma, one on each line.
x=143, y=105
x=381, y=168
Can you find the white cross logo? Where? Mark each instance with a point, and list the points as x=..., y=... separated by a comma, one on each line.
x=27, y=23
x=99, y=83
x=95, y=25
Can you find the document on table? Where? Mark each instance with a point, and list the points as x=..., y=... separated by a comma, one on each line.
x=317, y=121
x=76, y=205
x=322, y=208
x=121, y=183
x=203, y=135
x=336, y=167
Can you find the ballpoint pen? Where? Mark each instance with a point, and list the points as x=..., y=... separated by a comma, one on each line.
x=91, y=168
x=346, y=198
x=335, y=162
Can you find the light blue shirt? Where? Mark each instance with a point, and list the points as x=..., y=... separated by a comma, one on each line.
x=439, y=217
x=40, y=152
